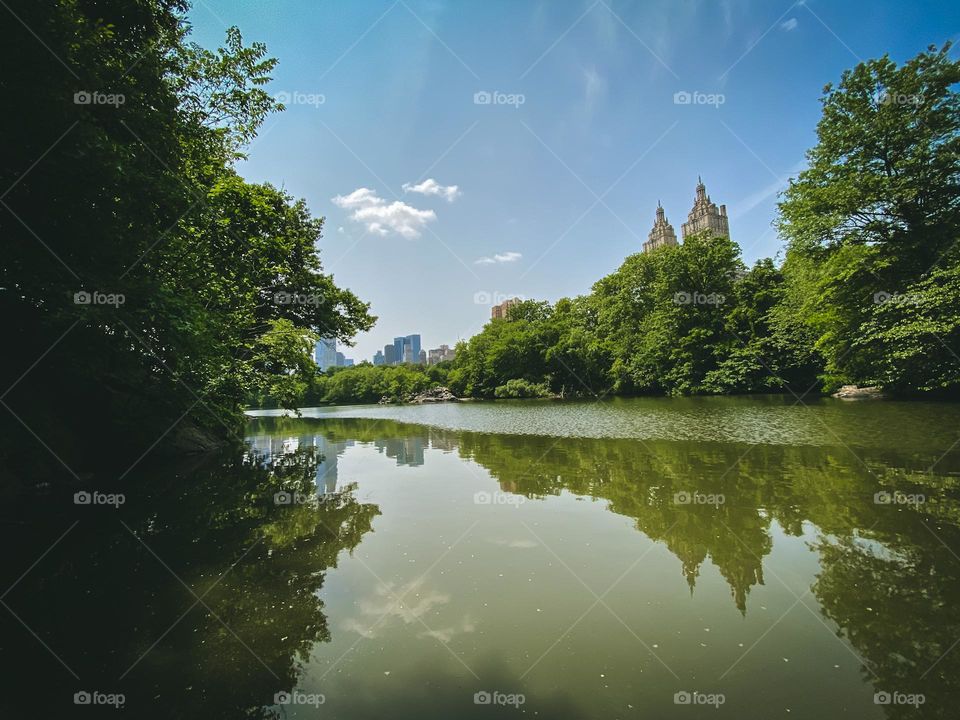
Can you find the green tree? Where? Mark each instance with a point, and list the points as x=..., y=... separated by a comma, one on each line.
x=879, y=205
x=121, y=182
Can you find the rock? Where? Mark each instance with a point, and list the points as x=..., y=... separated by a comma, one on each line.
x=434, y=395
x=852, y=392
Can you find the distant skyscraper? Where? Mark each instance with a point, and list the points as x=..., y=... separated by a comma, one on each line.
x=442, y=353
x=414, y=341
x=389, y=355
x=340, y=359
x=422, y=357
x=325, y=354
x=378, y=358
x=348, y=362
x=500, y=311
x=406, y=349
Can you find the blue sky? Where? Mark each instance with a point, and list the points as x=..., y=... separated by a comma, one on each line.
x=437, y=203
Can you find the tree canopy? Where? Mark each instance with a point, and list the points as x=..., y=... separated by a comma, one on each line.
x=149, y=288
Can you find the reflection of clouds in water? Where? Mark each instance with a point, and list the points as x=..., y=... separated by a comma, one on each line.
x=415, y=604
x=521, y=544
x=358, y=627
x=445, y=635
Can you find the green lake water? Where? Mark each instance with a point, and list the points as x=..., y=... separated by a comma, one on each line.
x=655, y=558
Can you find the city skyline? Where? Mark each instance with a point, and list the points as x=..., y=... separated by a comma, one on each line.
x=471, y=167
x=326, y=354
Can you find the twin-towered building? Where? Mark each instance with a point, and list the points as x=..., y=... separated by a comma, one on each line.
x=704, y=216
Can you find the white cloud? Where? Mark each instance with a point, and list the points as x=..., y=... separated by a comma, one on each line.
x=419, y=602
x=383, y=218
x=432, y=187
x=788, y=25
x=358, y=198
x=505, y=257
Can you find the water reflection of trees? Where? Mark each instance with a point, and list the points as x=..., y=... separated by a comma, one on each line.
x=889, y=576
x=102, y=598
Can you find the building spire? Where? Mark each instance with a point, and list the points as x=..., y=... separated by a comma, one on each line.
x=705, y=215
x=662, y=233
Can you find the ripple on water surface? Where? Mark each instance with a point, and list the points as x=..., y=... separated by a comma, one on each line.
x=754, y=419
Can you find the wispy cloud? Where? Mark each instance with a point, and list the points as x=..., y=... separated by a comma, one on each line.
x=505, y=257
x=789, y=24
x=383, y=218
x=594, y=88
x=756, y=198
x=432, y=187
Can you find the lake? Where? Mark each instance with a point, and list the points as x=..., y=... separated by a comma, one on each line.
x=740, y=558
